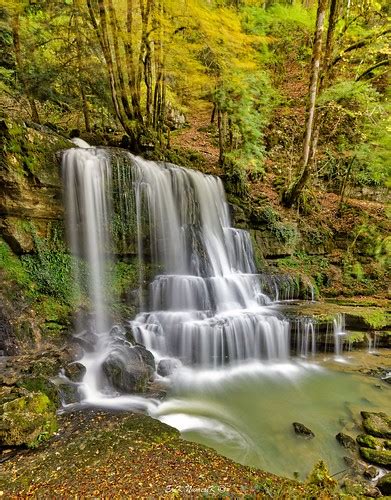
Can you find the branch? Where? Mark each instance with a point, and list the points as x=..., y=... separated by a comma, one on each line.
x=385, y=62
x=358, y=45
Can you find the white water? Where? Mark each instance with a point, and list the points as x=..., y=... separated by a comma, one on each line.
x=208, y=307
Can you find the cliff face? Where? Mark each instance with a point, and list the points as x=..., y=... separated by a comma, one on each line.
x=30, y=181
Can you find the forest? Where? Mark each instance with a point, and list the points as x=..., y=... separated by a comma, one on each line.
x=237, y=217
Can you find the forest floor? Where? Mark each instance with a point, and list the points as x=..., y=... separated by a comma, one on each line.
x=118, y=455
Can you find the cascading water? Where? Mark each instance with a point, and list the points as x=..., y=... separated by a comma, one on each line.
x=339, y=335
x=208, y=308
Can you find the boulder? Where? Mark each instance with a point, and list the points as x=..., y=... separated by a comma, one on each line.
x=27, y=418
x=346, y=441
x=368, y=441
x=126, y=369
x=302, y=430
x=75, y=371
x=377, y=424
x=167, y=366
x=147, y=358
x=377, y=457
x=384, y=484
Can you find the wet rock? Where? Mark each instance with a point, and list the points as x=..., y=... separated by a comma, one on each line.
x=75, y=371
x=167, y=366
x=346, y=441
x=147, y=358
x=69, y=393
x=377, y=457
x=368, y=441
x=371, y=472
x=302, y=430
x=356, y=467
x=27, y=418
x=377, y=424
x=126, y=369
x=384, y=484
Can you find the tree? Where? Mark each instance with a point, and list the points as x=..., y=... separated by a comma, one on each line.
x=291, y=195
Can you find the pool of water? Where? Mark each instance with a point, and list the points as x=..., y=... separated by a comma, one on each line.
x=246, y=412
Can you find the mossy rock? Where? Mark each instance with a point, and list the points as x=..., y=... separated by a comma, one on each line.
x=384, y=484
x=367, y=441
x=27, y=419
x=377, y=424
x=377, y=457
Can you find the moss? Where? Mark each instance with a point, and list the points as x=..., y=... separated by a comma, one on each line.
x=12, y=265
x=377, y=318
x=378, y=457
x=377, y=424
x=356, y=338
x=367, y=441
x=27, y=420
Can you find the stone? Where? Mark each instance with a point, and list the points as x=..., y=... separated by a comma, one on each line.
x=167, y=366
x=148, y=359
x=377, y=457
x=75, y=371
x=302, y=430
x=371, y=472
x=368, y=441
x=346, y=441
x=126, y=370
x=384, y=484
x=377, y=424
x=356, y=467
x=27, y=418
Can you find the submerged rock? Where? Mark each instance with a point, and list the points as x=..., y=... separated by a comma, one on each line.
x=377, y=424
x=167, y=366
x=346, y=441
x=302, y=430
x=384, y=484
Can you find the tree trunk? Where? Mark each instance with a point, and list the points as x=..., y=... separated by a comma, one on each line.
x=292, y=194
x=221, y=136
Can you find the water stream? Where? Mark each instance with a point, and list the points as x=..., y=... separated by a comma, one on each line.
x=237, y=386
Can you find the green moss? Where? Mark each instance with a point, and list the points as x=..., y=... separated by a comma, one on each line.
x=378, y=457
x=377, y=318
x=367, y=441
x=377, y=424
x=27, y=420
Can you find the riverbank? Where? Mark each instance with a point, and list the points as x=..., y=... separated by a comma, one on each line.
x=100, y=454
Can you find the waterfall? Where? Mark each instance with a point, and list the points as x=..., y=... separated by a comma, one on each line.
x=87, y=179
x=339, y=334
x=206, y=305
x=207, y=308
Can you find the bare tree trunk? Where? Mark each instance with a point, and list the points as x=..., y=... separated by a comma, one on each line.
x=294, y=192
